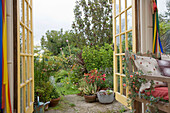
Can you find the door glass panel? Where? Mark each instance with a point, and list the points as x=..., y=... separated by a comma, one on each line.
x=26, y=68
x=118, y=44
x=123, y=22
x=118, y=64
x=130, y=41
x=21, y=39
x=118, y=84
x=26, y=95
x=30, y=41
x=21, y=10
x=30, y=92
x=30, y=66
x=117, y=7
x=21, y=70
x=123, y=43
x=117, y=25
x=26, y=13
x=29, y=17
x=122, y=5
x=129, y=3
x=26, y=41
x=21, y=101
x=129, y=19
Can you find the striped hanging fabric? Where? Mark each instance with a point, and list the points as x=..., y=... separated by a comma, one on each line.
x=5, y=92
x=157, y=46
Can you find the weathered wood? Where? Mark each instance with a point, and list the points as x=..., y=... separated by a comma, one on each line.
x=138, y=106
x=159, y=78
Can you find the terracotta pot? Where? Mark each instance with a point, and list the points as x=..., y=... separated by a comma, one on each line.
x=54, y=102
x=90, y=98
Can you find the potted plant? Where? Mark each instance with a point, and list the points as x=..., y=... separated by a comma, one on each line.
x=105, y=96
x=55, y=97
x=90, y=87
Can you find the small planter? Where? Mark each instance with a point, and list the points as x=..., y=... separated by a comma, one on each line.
x=54, y=102
x=90, y=98
x=104, y=98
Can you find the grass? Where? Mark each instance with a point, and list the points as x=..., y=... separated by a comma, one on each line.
x=65, y=91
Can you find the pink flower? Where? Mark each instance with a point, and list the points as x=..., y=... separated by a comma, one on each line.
x=104, y=75
x=131, y=76
x=66, y=40
x=123, y=59
x=104, y=79
x=124, y=85
x=60, y=48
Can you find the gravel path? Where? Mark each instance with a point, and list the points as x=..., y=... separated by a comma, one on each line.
x=76, y=104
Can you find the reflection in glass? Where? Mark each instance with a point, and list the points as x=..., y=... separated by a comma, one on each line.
x=21, y=70
x=122, y=5
x=26, y=41
x=21, y=101
x=124, y=88
x=130, y=41
x=118, y=83
x=129, y=3
x=118, y=44
x=21, y=10
x=30, y=17
x=117, y=25
x=30, y=45
x=30, y=91
x=118, y=64
x=26, y=68
x=26, y=14
x=21, y=39
x=30, y=66
x=129, y=19
x=123, y=22
x=117, y=7
x=123, y=43
x=27, y=95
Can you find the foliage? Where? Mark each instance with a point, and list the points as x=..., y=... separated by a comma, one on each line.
x=61, y=75
x=99, y=57
x=134, y=83
x=54, y=40
x=93, y=22
x=55, y=93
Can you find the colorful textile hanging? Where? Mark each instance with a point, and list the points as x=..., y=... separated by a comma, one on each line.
x=4, y=87
x=157, y=46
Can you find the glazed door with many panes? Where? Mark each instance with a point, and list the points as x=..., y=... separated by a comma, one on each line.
x=124, y=39
x=25, y=57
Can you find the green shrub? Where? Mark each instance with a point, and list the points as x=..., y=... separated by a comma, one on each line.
x=99, y=57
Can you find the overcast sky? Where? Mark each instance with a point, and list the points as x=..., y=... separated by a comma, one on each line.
x=51, y=15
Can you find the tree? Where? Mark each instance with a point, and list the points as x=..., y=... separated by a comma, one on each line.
x=55, y=40
x=93, y=22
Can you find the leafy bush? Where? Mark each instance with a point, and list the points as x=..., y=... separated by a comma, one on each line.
x=99, y=57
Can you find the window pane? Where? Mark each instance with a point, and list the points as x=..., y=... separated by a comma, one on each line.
x=21, y=101
x=21, y=39
x=21, y=70
x=30, y=17
x=130, y=41
x=26, y=95
x=122, y=5
x=117, y=7
x=123, y=22
x=26, y=41
x=129, y=3
x=30, y=66
x=117, y=25
x=21, y=10
x=31, y=91
x=123, y=43
x=118, y=83
x=30, y=44
x=26, y=68
x=118, y=44
x=25, y=13
x=118, y=64
x=129, y=19
x=124, y=88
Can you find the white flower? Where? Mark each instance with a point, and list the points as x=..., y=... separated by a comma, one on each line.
x=66, y=40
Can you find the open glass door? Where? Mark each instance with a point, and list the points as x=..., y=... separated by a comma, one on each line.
x=124, y=38
x=25, y=57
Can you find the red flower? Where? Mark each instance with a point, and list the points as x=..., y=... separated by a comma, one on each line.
x=131, y=76
x=104, y=79
x=123, y=59
x=134, y=86
x=124, y=85
x=104, y=75
x=133, y=82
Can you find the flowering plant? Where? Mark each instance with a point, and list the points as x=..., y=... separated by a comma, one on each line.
x=92, y=79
